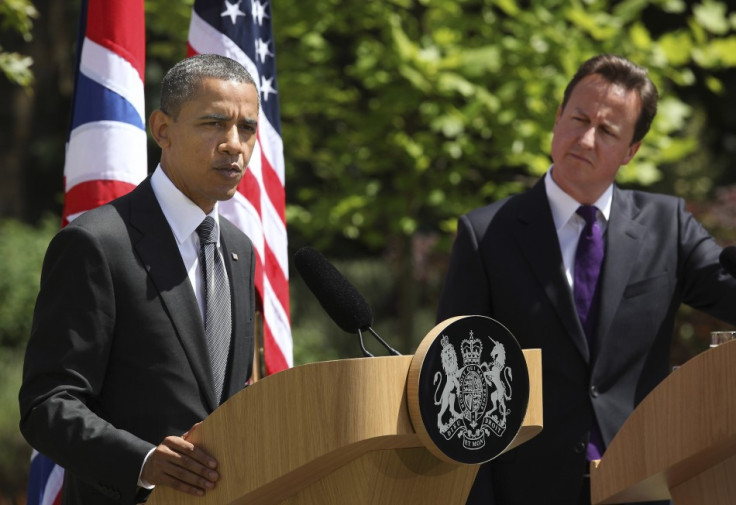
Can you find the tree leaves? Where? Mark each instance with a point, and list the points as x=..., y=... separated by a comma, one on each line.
x=457, y=99
x=17, y=16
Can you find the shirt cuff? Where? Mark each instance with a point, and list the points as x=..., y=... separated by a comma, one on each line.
x=142, y=483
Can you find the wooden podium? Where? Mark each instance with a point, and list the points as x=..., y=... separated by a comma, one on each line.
x=333, y=433
x=680, y=442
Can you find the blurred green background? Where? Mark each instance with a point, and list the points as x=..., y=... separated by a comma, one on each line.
x=397, y=117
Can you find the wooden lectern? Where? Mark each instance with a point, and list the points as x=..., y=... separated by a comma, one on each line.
x=333, y=432
x=680, y=442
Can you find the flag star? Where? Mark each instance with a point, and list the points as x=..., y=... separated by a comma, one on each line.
x=262, y=49
x=232, y=10
x=267, y=88
x=259, y=11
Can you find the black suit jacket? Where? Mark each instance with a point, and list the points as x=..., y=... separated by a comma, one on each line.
x=117, y=358
x=506, y=263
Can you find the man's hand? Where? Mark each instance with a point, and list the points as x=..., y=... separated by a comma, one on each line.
x=179, y=464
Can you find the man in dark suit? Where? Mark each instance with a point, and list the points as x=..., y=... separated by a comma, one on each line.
x=514, y=261
x=117, y=369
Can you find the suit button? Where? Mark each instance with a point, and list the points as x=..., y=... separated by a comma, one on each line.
x=579, y=448
x=594, y=391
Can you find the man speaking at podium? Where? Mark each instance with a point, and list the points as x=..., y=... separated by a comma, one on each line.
x=590, y=273
x=144, y=321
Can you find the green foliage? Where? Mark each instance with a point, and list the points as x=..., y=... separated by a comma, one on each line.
x=167, y=25
x=17, y=16
x=22, y=248
x=434, y=107
x=15, y=456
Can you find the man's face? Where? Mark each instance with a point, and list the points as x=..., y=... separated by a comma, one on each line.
x=592, y=137
x=206, y=149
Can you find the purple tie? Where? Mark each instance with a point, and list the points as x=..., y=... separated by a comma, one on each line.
x=588, y=261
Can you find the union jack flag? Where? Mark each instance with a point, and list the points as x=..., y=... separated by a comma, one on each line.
x=241, y=30
x=106, y=149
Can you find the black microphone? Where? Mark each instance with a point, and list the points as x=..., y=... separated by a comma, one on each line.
x=342, y=302
x=727, y=259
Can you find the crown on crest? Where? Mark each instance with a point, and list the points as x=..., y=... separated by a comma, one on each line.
x=471, y=348
x=445, y=342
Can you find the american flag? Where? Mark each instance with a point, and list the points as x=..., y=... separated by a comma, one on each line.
x=241, y=30
x=106, y=148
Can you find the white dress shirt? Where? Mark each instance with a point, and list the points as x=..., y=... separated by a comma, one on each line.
x=569, y=224
x=184, y=216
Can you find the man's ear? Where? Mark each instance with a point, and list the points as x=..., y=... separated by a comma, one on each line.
x=633, y=148
x=159, y=122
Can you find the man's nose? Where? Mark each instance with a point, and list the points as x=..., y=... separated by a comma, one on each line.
x=587, y=139
x=231, y=142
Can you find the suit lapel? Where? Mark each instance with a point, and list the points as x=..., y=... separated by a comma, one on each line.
x=623, y=241
x=537, y=227
x=160, y=255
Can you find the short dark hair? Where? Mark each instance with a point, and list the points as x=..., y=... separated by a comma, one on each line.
x=181, y=83
x=618, y=70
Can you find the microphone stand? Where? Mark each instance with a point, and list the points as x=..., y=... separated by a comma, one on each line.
x=367, y=354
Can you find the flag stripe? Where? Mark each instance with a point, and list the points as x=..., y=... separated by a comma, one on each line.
x=246, y=217
x=276, y=238
x=273, y=148
x=108, y=150
x=91, y=194
x=274, y=188
x=102, y=103
x=120, y=27
x=279, y=282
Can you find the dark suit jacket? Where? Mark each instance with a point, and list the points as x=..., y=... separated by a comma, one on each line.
x=117, y=358
x=506, y=263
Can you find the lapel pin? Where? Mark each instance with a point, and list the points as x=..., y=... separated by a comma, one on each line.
x=235, y=256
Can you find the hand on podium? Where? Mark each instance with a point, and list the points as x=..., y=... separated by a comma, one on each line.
x=179, y=464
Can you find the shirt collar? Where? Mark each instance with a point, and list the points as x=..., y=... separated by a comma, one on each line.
x=563, y=206
x=182, y=214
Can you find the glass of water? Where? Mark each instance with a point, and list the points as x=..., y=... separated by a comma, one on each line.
x=721, y=337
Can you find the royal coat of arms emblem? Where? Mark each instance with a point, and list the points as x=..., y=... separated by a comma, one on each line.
x=472, y=389
x=468, y=390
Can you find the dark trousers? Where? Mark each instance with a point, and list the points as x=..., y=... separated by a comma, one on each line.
x=585, y=491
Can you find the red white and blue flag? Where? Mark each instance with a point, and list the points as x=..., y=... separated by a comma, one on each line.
x=241, y=30
x=44, y=481
x=106, y=148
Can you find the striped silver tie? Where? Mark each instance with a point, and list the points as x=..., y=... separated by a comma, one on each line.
x=217, y=320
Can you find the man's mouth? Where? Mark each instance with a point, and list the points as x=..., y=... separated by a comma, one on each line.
x=581, y=157
x=229, y=167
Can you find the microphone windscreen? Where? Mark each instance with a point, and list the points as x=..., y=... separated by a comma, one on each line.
x=728, y=260
x=340, y=299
